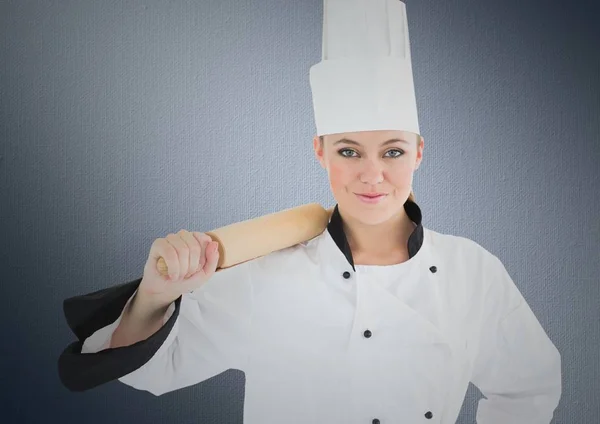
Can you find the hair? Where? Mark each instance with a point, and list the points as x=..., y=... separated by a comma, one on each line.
x=411, y=196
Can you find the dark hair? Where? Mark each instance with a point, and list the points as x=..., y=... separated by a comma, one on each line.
x=411, y=195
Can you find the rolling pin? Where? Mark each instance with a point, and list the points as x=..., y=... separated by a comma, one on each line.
x=252, y=238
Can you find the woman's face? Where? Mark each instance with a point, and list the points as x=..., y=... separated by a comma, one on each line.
x=370, y=162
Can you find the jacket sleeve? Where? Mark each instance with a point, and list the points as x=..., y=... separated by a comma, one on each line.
x=517, y=368
x=204, y=333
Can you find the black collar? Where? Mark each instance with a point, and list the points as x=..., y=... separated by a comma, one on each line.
x=415, y=241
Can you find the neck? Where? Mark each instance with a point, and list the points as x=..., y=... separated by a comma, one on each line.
x=386, y=239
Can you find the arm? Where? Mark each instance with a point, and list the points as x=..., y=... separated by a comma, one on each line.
x=517, y=369
x=200, y=335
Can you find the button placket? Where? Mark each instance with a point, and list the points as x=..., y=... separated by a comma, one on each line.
x=429, y=414
x=368, y=333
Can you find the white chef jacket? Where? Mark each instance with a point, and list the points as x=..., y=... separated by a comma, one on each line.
x=321, y=339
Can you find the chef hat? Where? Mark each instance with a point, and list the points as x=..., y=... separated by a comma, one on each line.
x=364, y=81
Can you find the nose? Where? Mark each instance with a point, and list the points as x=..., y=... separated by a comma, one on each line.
x=371, y=172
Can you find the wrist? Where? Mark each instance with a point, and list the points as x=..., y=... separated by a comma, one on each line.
x=150, y=306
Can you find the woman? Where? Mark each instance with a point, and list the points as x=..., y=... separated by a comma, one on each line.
x=376, y=320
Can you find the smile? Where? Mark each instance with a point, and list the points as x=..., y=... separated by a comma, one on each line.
x=371, y=199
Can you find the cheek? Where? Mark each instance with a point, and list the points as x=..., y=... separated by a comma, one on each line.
x=401, y=175
x=339, y=176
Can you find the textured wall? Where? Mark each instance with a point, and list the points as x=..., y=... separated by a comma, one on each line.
x=121, y=121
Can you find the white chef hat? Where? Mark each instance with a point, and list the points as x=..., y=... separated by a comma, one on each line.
x=364, y=81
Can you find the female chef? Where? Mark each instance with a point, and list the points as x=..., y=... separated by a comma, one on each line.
x=376, y=320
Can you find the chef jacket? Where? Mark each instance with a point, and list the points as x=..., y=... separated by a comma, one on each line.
x=322, y=339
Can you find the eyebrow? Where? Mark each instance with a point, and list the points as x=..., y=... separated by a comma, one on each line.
x=356, y=143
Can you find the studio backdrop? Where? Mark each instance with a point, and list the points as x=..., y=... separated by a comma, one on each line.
x=123, y=121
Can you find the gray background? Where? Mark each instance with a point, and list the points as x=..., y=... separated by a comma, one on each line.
x=122, y=121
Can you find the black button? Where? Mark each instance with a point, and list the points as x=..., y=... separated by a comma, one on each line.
x=346, y=274
x=428, y=415
x=433, y=269
x=375, y=421
x=367, y=333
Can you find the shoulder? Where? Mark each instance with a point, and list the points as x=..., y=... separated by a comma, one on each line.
x=455, y=245
x=482, y=270
x=465, y=256
x=288, y=258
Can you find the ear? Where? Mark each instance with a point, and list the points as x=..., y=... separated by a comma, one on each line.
x=318, y=150
x=420, y=148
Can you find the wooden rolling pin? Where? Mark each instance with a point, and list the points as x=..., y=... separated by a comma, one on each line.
x=250, y=239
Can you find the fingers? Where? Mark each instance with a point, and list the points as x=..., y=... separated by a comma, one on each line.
x=212, y=258
x=186, y=254
x=191, y=252
x=210, y=252
x=204, y=240
x=183, y=256
x=162, y=248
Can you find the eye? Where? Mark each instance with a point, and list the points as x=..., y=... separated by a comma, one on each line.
x=400, y=152
x=342, y=151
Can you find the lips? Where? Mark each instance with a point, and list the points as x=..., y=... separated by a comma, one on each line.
x=370, y=197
